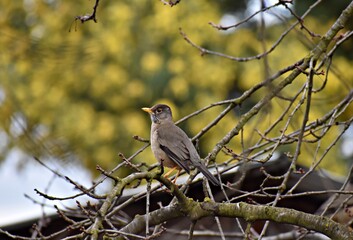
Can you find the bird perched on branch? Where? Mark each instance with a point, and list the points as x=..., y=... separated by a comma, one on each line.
x=171, y=146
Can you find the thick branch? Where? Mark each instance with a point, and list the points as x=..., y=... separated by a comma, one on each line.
x=282, y=215
x=250, y=213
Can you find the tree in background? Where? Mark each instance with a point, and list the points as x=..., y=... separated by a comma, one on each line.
x=269, y=80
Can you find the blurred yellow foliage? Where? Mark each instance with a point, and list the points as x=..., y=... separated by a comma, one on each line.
x=87, y=86
x=151, y=62
x=179, y=87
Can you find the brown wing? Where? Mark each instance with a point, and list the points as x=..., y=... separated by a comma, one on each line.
x=177, y=145
x=171, y=142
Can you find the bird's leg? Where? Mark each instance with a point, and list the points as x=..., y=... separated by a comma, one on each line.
x=176, y=176
x=161, y=168
x=169, y=172
x=167, y=175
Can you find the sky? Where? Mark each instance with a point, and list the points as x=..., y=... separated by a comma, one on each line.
x=18, y=179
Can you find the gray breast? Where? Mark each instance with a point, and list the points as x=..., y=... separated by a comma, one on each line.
x=159, y=154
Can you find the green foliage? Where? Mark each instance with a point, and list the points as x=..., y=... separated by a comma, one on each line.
x=86, y=87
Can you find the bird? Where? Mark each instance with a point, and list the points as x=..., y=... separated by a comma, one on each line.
x=171, y=146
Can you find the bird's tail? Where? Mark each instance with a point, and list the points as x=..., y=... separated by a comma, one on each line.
x=209, y=175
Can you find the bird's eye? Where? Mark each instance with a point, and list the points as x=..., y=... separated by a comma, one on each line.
x=159, y=110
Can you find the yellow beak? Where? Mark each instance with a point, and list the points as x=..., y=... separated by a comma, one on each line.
x=147, y=110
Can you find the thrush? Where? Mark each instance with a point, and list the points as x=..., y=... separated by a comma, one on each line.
x=171, y=146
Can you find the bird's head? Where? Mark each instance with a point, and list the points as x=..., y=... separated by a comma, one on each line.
x=159, y=113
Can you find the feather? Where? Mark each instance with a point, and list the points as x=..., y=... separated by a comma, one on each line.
x=181, y=150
